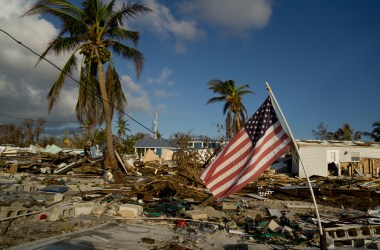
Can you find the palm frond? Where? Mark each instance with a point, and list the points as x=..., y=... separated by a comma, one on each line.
x=130, y=54
x=126, y=12
x=89, y=106
x=216, y=99
x=122, y=34
x=67, y=69
x=115, y=90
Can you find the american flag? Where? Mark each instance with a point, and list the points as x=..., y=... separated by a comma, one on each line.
x=252, y=150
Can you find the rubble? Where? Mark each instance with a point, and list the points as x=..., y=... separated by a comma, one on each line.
x=46, y=192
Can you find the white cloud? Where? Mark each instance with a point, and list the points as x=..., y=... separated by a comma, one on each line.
x=162, y=22
x=24, y=87
x=16, y=7
x=131, y=85
x=140, y=103
x=137, y=98
x=68, y=97
x=234, y=18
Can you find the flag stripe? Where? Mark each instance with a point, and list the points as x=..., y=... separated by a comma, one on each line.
x=230, y=164
x=250, y=152
x=231, y=152
x=237, y=187
x=256, y=167
x=253, y=166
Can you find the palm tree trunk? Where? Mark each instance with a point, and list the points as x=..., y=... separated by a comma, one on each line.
x=238, y=125
x=110, y=156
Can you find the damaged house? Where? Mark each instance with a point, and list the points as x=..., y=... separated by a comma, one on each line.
x=337, y=158
x=165, y=148
x=161, y=147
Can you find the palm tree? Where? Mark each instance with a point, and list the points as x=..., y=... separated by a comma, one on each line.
x=93, y=30
x=229, y=93
x=345, y=133
x=122, y=128
x=375, y=134
x=357, y=136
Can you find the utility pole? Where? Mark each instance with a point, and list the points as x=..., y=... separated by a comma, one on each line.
x=155, y=126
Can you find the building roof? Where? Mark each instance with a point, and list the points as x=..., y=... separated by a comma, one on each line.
x=155, y=143
x=333, y=143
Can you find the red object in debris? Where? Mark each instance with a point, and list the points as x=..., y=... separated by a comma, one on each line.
x=181, y=223
x=43, y=216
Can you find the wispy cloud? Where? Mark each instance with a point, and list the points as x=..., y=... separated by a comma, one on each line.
x=160, y=93
x=162, y=77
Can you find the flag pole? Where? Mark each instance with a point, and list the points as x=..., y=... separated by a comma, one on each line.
x=297, y=150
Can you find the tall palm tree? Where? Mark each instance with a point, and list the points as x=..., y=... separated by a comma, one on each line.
x=375, y=134
x=94, y=30
x=122, y=128
x=231, y=95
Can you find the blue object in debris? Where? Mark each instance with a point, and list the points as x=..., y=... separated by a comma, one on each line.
x=54, y=189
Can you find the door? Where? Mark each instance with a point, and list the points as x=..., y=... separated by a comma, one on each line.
x=332, y=160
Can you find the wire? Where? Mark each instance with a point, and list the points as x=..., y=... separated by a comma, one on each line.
x=75, y=80
x=15, y=117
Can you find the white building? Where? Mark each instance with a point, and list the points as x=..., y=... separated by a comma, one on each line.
x=324, y=158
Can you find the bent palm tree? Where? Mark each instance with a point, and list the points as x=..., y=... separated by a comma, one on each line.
x=93, y=30
x=232, y=96
x=375, y=134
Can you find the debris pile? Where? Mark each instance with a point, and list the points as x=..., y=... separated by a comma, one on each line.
x=50, y=191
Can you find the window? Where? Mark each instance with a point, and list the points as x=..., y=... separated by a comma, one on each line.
x=355, y=156
x=332, y=156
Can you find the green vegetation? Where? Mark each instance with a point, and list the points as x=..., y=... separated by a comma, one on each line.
x=231, y=95
x=346, y=133
x=375, y=134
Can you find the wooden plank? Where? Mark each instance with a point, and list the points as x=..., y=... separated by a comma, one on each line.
x=120, y=160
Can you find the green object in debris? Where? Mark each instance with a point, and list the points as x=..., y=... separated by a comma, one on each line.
x=263, y=224
x=152, y=213
x=265, y=235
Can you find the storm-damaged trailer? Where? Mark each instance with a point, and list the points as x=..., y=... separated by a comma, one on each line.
x=337, y=158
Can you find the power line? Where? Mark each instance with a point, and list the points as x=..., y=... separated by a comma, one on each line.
x=15, y=117
x=75, y=80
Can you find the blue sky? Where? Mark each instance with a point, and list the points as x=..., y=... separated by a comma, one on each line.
x=321, y=58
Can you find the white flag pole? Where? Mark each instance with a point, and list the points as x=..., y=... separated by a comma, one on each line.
x=297, y=150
